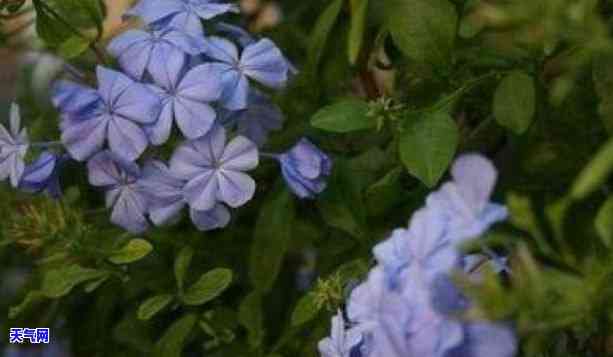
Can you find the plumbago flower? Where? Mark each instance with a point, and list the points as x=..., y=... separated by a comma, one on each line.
x=124, y=195
x=342, y=341
x=261, y=61
x=138, y=51
x=13, y=148
x=172, y=74
x=185, y=100
x=214, y=170
x=181, y=14
x=305, y=169
x=112, y=114
x=409, y=306
x=465, y=200
x=257, y=121
x=43, y=175
x=165, y=192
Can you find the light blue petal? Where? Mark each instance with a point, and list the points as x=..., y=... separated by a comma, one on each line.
x=216, y=218
x=264, y=62
x=126, y=139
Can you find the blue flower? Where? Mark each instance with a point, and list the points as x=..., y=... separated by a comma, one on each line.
x=214, y=170
x=342, y=342
x=305, y=169
x=139, y=50
x=123, y=193
x=255, y=122
x=181, y=14
x=423, y=249
x=164, y=191
x=261, y=61
x=420, y=312
x=465, y=200
x=43, y=175
x=114, y=116
x=185, y=98
x=13, y=148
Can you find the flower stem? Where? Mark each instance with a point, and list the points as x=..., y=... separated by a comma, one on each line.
x=269, y=155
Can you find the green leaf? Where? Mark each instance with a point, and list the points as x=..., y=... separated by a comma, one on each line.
x=59, y=20
x=356, y=30
x=345, y=116
x=603, y=83
x=59, y=282
x=306, y=310
x=135, y=250
x=604, y=222
x=251, y=318
x=95, y=284
x=182, y=262
x=73, y=47
x=514, y=102
x=210, y=285
x=323, y=27
x=32, y=298
x=272, y=236
x=595, y=173
x=424, y=30
x=428, y=145
x=342, y=204
x=173, y=341
x=153, y=305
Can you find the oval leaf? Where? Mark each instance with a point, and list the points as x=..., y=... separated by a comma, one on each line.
x=343, y=117
x=171, y=344
x=424, y=30
x=272, y=235
x=323, y=27
x=595, y=173
x=356, y=31
x=306, y=310
x=514, y=102
x=251, y=318
x=182, y=261
x=604, y=222
x=428, y=145
x=209, y=286
x=59, y=282
x=153, y=305
x=135, y=250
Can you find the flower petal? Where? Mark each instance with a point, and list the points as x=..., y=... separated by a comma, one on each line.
x=154, y=10
x=187, y=162
x=159, y=132
x=222, y=50
x=103, y=171
x=241, y=154
x=128, y=211
x=195, y=119
x=201, y=191
x=235, y=188
x=166, y=66
x=126, y=139
x=217, y=217
x=138, y=103
x=476, y=177
x=202, y=83
x=84, y=138
x=235, y=90
x=70, y=97
x=265, y=63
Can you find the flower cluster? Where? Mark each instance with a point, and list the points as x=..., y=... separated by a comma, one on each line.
x=409, y=306
x=172, y=73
